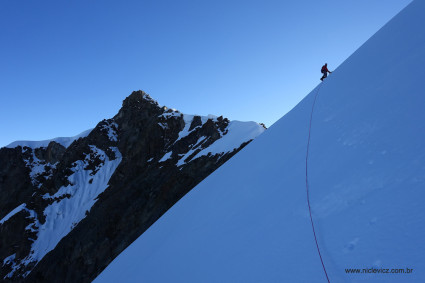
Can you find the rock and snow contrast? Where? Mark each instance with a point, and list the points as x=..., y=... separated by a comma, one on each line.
x=64, y=141
x=69, y=206
x=249, y=220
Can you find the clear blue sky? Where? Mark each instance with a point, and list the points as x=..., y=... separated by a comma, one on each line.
x=66, y=65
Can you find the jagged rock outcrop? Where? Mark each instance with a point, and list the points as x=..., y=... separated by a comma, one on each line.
x=67, y=212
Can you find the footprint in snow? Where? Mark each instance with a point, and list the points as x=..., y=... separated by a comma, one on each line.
x=373, y=221
x=351, y=245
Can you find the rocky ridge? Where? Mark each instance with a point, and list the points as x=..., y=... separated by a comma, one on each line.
x=67, y=212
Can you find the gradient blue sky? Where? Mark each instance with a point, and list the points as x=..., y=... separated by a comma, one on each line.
x=66, y=65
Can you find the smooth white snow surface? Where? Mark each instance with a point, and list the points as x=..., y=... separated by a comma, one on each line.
x=248, y=221
x=65, y=141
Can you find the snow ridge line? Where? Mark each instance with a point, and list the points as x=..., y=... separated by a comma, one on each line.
x=306, y=182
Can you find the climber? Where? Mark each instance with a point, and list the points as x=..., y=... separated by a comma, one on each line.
x=325, y=71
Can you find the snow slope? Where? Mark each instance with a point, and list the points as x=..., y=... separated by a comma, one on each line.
x=249, y=221
x=65, y=141
x=231, y=138
x=69, y=206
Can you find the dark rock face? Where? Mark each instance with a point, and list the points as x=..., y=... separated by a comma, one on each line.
x=152, y=157
x=15, y=182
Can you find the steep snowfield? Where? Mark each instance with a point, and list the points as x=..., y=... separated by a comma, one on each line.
x=248, y=221
x=69, y=206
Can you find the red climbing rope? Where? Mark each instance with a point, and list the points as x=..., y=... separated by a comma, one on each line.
x=306, y=183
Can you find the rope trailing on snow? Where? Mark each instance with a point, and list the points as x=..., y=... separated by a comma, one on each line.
x=306, y=182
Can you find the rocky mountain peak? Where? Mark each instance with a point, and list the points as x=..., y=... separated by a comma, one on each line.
x=72, y=207
x=138, y=105
x=138, y=97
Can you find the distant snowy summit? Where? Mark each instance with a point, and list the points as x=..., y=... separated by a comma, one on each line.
x=64, y=141
x=69, y=206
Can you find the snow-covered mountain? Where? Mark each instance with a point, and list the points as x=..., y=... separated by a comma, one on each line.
x=69, y=206
x=249, y=220
x=64, y=141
